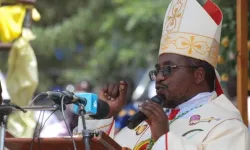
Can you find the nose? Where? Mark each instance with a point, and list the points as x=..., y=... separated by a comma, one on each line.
x=159, y=78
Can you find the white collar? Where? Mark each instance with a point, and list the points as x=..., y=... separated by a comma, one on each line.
x=196, y=101
x=199, y=99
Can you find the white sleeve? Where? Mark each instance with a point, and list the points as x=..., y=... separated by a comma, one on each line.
x=230, y=134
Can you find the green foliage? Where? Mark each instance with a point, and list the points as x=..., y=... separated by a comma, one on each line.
x=108, y=40
x=228, y=50
x=118, y=37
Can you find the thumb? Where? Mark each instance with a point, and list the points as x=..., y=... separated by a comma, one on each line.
x=123, y=87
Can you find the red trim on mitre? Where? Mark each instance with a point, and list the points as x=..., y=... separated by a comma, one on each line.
x=218, y=88
x=166, y=140
x=214, y=11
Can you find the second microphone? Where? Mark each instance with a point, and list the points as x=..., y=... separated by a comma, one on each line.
x=135, y=120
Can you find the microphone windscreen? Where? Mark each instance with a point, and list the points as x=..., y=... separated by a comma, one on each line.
x=96, y=108
x=90, y=101
x=102, y=110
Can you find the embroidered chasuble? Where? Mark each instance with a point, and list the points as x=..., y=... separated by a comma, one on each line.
x=216, y=125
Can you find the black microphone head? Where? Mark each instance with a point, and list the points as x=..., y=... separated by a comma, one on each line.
x=159, y=99
x=102, y=110
x=136, y=119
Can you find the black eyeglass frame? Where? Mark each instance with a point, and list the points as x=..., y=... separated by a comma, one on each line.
x=167, y=70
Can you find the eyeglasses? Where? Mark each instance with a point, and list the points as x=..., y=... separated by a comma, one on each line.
x=166, y=70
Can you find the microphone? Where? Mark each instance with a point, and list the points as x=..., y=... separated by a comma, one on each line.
x=97, y=109
x=69, y=97
x=135, y=120
x=102, y=110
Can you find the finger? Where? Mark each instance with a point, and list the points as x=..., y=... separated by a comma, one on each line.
x=147, y=112
x=115, y=92
x=153, y=114
x=157, y=107
x=110, y=89
x=105, y=90
x=123, y=87
x=155, y=111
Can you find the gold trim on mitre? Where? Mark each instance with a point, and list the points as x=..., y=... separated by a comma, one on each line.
x=174, y=16
x=191, y=45
x=190, y=31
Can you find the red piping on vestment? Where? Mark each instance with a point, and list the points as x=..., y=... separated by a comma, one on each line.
x=111, y=127
x=166, y=140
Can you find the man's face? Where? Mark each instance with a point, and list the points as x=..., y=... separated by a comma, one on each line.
x=177, y=83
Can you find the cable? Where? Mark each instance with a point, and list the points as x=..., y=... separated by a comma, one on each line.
x=39, y=131
x=34, y=99
x=37, y=123
x=37, y=134
x=64, y=119
x=47, y=119
x=34, y=134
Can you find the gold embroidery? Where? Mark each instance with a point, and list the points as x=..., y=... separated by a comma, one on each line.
x=104, y=126
x=191, y=45
x=140, y=129
x=183, y=43
x=142, y=145
x=174, y=16
x=165, y=42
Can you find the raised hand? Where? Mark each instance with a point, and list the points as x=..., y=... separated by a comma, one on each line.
x=115, y=96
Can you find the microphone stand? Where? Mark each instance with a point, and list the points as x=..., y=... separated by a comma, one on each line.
x=3, y=122
x=6, y=108
x=86, y=134
x=2, y=130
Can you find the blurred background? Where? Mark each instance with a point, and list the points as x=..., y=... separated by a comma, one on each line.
x=82, y=44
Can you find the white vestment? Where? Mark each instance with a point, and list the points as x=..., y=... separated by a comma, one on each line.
x=216, y=125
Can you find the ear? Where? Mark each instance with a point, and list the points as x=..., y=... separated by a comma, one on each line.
x=199, y=75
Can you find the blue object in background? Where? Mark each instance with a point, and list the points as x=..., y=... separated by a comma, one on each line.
x=59, y=54
x=79, y=47
x=123, y=116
